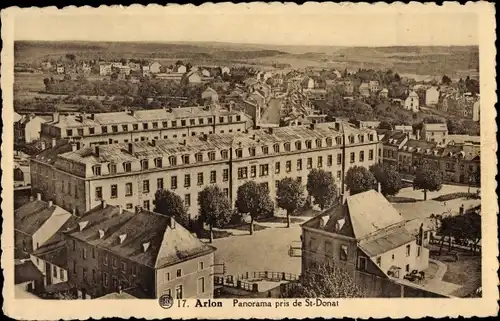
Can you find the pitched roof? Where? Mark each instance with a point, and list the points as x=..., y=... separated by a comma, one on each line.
x=30, y=217
x=117, y=295
x=394, y=138
x=435, y=127
x=125, y=234
x=54, y=253
x=169, y=242
x=367, y=219
x=386, y=240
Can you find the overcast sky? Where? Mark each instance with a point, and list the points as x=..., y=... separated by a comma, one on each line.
x=292, y=26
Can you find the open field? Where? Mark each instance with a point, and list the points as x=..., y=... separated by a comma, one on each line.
x=454, y=61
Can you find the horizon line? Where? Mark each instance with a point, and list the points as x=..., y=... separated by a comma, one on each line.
x=249, y=43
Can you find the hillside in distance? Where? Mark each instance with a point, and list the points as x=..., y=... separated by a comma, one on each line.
x=425, y=60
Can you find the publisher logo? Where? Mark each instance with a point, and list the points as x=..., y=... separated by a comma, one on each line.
x=166, y=301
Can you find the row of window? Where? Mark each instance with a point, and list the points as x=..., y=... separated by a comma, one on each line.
x=160, y=184
x=154, y=125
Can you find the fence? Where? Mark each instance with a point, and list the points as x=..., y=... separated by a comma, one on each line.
x=252, y=277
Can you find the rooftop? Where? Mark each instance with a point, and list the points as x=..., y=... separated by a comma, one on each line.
x=30, y=217
x=126, y=117
x=26, y=272
x=194, y=144
x=435, y=127
x=145, y=237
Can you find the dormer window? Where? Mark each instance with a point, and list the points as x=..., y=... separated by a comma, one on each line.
x=370, y=137
x=211, y=156
x=308, y=144
x=112, y=168
x=224, y=154
x=276, y=148
x=318, y=143
x=329, y=142
x=251, y=151
x=145, y=125
x=351, y=139
x=172, y=160
x=158, y=162
x=338, y=140
x=127, y=167
x=265, y=150
x=361, y=138
x=298, y=145
x=287, y=147
x=96, y=169
x=144, y=164
x=199, y=157
x=239, y=153
x=185, y=159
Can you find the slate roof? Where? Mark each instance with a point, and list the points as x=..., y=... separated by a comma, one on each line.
x=126, y=233
x=31, y=216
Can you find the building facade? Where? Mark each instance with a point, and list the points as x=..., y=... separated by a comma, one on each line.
x=129, y=174
x=142, y=125
x=27, y=129
x=369, y=242
x=140, y=252
x=437, y=133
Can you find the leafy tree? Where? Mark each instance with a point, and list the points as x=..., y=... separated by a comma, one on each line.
x=289, y=196
x=388, y=177
x=70, y=57
x=325, y=281
x=67, y=77
x=168, y=203
x=254, y=199
x=428, y=178
x=321, y=186
x=214, y=208
x=446, y=80
x=385, y=125
x=114, y=76
x=359, y=179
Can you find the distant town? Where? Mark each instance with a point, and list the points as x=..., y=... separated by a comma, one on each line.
x=135, y=179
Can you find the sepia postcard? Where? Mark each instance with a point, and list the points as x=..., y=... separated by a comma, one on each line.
x=230, y=161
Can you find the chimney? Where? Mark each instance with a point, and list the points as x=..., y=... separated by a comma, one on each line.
x=73, y=147
x=101, y=234
x=103, y=203
x=271, y=130
x=42, y=145
x=55, y=117
x=54, y=142
x=120, y=209
x=82, y=225
x=379, y=188
x=183, y=142
x=74, y=211
x=253, y=136
x=92, y=116
x=171, y=223
x=122, y=238
x=130, y=148
x=461, y=209
x=153, y=142
x=312, y=126
x=205, y=137
x=417, y=134
x=145, y=246
x=337, y=126
x=38, y=196
x=96, y=150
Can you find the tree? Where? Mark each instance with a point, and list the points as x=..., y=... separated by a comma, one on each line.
x=67, y=77
x=388, y=177
x=70, y=57
x=325, y=281
x=321, y=186
x=428, y=178
x=214, y=208
x=289, y=196
x=114, y=76
x=359, y=179
x=254, y=199
x=168, y=203
x=385, y=125
x=446, y=80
